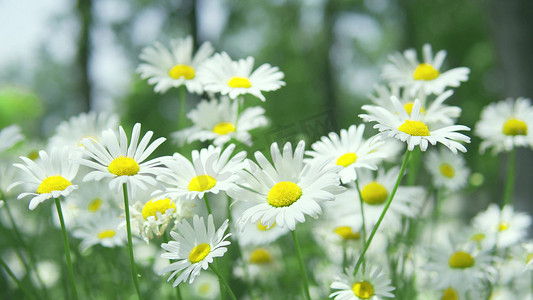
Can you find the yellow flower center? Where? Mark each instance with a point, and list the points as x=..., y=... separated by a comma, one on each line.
x=363, y=289
x=260, y=256
x=94, y=205
x=346, y=159
x=205, y=288
x=414, y=128
x=374, y=193
x=503, y=226
x=447, y=170
x=202, y=183
x=347, y=233
x=425, y=72
x=123, y=166
x=450, y=294
x=224, y=128
x=461, y=260
x=199, y=252
x=105, y=234
x=478, y=237
x=409, y=108
x=239, y=82
x=53, y=183
x=153, y=206
x=33, y=155
x=179, y=71
x=263, y=227
x=284, y=193
x=515, y=127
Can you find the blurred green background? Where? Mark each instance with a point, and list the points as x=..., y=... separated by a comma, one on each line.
x=63, y=57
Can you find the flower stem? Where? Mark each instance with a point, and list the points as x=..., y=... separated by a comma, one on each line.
x=67, y=249
x=183, y=94
x=134, y=274
x=12, y=275
x=509, y=183
x=302, y=266
x=206, y=200
x=224, y=282
x=27, y=265
x=363, y=226
x=166, y=239
x=387, y=205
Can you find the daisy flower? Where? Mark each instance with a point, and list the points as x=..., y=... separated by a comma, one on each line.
x=90, y=199
x=408, y=128
x=102, y=228
x=408, y=72
x=432, y=112
x=153, y=217
x=219, y=121
x=211, y=171
x=459, y=266
x=206, y=286
x=194, y=248
x=349, y=150
x=85, y=125
x=49, y=177
x=175, y=67
x=263, y=264
x=9, y=137
x=505, y=226
x=222, y=75
x=338, y=234
x=122, y=162
x=448, y=170
x=286, y=191
x=504, y=125
x=255, y=234
x=372, y=284
x=375, y=189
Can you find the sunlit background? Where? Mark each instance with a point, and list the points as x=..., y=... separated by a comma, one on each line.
x=59, y=58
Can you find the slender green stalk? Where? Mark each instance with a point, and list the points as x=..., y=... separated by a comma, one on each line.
x=363, y=226
x=509, y=183
x=12, y=275
x=183, y=100
x=414, y=166
x=29, y=266
x=224, y=282
x=134, y=274
x=166, y=239
x=302, y=266
x=67, y=249
x=206, y=200
x=387, y=205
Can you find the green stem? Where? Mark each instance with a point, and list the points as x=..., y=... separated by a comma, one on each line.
x=414, y=166
x=28, y=266
x=224, y=282
x=363, y=226
x=387, y=205
x=302, y=266
x=130, y=245
x=183, y=94
x=166, y=239
x=12, y=275
x=509, y=183
x=206, y=200
x=67, y=249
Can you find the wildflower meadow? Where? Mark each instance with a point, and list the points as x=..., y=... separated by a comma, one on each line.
x=225, y=203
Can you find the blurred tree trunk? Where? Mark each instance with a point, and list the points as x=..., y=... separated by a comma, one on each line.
x=512, y=31
x=84, y=8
